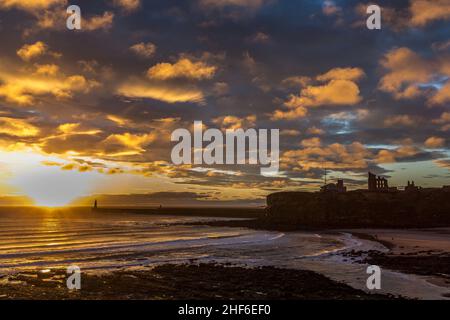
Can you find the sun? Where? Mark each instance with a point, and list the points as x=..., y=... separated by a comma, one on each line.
x=47, y=186
x=53, y=187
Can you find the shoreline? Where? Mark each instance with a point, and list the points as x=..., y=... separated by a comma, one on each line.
x=185, y=282
x=420, y=262
x=431, y=265
x=345, y=266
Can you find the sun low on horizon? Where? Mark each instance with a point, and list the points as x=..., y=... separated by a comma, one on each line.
x=90, y=113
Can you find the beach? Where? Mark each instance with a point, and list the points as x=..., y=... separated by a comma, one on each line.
x=35, y=251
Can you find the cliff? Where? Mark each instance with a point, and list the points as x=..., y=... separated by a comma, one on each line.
x=424, y=208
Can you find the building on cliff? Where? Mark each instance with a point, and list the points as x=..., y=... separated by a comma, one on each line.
x=411, y=187
x=334, y=187
x=376, y=183
x=379, y=184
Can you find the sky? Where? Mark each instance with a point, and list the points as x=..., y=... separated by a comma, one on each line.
x=88, y=114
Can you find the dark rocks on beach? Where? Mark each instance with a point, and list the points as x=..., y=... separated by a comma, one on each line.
x=204, y=281
x=431, y=264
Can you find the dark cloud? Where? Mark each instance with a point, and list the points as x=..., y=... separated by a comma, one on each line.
x=229, y=63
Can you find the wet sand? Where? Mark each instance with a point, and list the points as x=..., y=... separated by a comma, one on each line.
x=424, y=252
x=181, y=282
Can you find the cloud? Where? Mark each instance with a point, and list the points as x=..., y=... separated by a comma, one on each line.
x=67, y=129
x=391, y=156
x=418, y=14
x=17, y=128
x=51, y=15
x=233, y=122
x=315, y=130
x=260, y=37
x=296, y=113
x=442, y=96
x=340, y=89
x=424, y=12
x=311, y=142
x=23, y=89
x=336, y=92
x=399, y=120
x=441, y=45
x=351, y=74
x=444, y=120
x=333, y=156
x=289, y=132
x=104, y=22
x=183, y=68
x=47, y=69
x=406, y=70
x=236, y=3
x=407, y=74
x=296, y=81
x=221, y=88
x=30, y=5
x=126, y=143
x=443, y=163
x=166, y=93
x=329, y=8
x=128, y=5
x=31, y=51
x=145, y=50
x=434, y=142
x=95, y=143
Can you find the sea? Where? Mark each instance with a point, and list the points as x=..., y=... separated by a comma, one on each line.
x=101, y=242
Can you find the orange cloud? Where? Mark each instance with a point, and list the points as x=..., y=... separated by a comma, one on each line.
x=444, y=120
x=128, y=5
x=406, y=71
x=336, y=92
x=145, y=50
x=352, y=74
x=312, y=142
x=315, y=130
x=391, y=156
x=127, y=143
x=17, y=127
x=340, y=89
x=296, y=113
x=424, y=12
x=29, y=5
x=434, y=142
x=31, y=51
x=334, y=156
x=399, y=120
x=104, y=21
x=442, y=96
x=290, y=132
x=23, y=89
x=47, y=69
x=233, y=123
x=183, y=68
x=166, y=93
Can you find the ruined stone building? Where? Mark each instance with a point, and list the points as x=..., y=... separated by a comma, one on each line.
x=377, y=183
